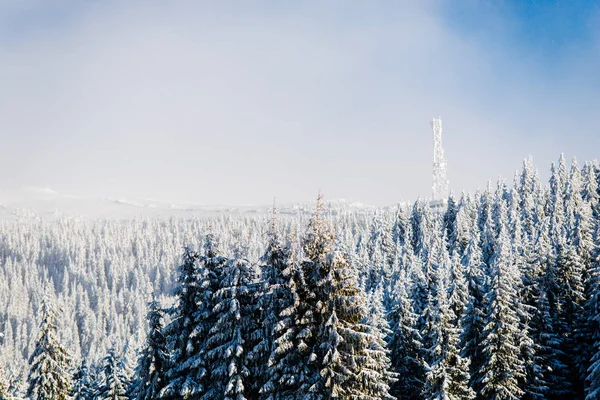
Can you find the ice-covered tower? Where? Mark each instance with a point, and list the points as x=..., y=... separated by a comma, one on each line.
x=440, y=183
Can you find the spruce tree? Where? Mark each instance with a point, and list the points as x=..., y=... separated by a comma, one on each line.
x=400, y=227
x=565, y=296
x=457, y=289
x=50, y=370
x=115, y=384
x=556, y=207
x=228, y=341
x=533, y=261
x=592, y=326
x=376, y=315
x=447, y=374
x=284, y=366
x=405, y=344
x=317, y=244
x=293, y=366
x=502, y=372
x=336, y=352
x=378, y=257
x=182, y=332
x=581, y=236
x=274, y=296
x=466, y=218
x=589, y=191
x=473, y=319
x=4, y=386
x=83, y=385
x=420, y=221
x=192, y=319
x=526, y=200
x=354, y=362
x=450, y=224
x=154, y=358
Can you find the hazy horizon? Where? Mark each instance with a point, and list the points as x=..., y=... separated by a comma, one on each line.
x=236, y=103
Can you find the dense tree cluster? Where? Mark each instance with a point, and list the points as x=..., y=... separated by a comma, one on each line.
x=494, y=295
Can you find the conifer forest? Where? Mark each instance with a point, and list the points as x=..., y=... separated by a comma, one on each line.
x=487, y=295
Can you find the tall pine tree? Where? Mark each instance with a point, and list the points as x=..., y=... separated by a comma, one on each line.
x=154, y=359
x=50, y=370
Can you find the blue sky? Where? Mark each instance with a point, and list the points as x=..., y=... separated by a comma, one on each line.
x=547, y=30
x=234, y=103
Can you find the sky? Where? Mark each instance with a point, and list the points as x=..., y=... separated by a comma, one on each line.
x=235, y=102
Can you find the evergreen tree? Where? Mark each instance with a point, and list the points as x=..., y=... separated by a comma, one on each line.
x=400, y=227
x=450, y=224
x=228, y=340
x=458, y=290
x=4, y=386
x=484, y=210
x=83, y=385
x=421, y=227
x=447, y=374
x=535, y=313
x=473, y=320
x=465, y=221
x=283, y=366
x=355, y=364
x=405, y=345
x=526, y=200
x=182, y=332
x=380, y=255
x=580, y=225
x=565, y=297
x=335, y=352
x=275, y=296
x=317, y=244
x=115, y=382
x=154, y=359
x=49, y=373
x=590, y=182
x=593, y=327
x=192, y=319
x=556, y=207
x=502, y=373
x=376, y=314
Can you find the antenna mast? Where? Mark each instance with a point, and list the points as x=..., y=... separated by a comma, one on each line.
x=440, y=183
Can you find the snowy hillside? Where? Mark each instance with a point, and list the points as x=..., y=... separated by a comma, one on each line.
x=46, y=204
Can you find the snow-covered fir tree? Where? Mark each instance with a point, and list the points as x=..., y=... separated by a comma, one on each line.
x=565, y=296
x=4, y=386
x=473, y=319
x=502, y=372
x=339, y=354
x=154, y=359
x=352, y=360
x=83, y=384
x=115, y=383
x=450, y=224
x=377, y=315
x=447, y=372
x=405, y=343
x=276, y=295
x=50, y=364
x=228, y=341
x=183, y=377
x=592, y=326
x=192, y=319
